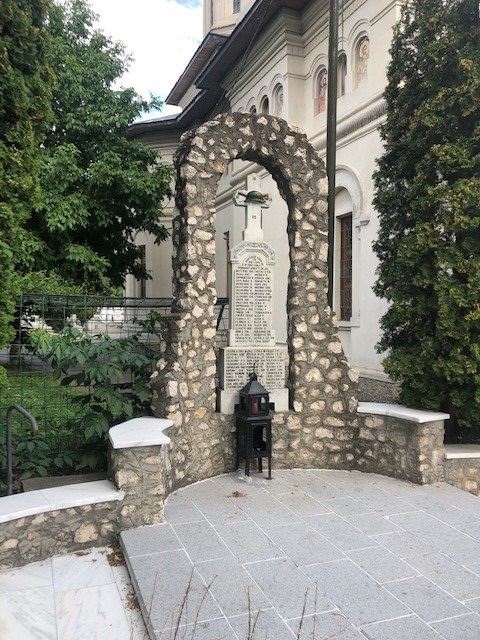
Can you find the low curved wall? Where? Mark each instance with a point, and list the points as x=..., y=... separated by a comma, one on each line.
x=386, y=439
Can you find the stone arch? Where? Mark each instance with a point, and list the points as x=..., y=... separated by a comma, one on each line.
x=322, y=386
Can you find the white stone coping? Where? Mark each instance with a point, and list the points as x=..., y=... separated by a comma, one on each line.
x=139, y=432
x=458, y=451
x=56, y=498
x=400, y=411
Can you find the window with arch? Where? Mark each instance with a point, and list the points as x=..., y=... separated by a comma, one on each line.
x=278, y=100
x=142, y=282
x=362, y=54
x=345, y=268
x=341, y=74
x=321, y=85
x=264, y=105
x=253, y=109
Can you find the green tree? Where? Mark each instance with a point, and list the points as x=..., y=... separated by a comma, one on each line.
x=428, y=199
x=98, y=188
x=25, y=83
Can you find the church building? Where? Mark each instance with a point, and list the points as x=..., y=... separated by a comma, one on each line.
x=271, y=56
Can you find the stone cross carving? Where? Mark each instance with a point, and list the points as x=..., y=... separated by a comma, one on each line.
x=253, y=201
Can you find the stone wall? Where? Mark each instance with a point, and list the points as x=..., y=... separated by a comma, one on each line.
x=32, y=538
x=38, y=524
x=322, y=386
x=462, y=467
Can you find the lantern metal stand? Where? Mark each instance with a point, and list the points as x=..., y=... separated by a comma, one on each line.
x=254, y=426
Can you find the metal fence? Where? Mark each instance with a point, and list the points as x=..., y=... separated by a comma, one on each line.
x=30, y=380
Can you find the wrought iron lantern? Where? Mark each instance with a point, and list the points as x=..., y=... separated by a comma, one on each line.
x=254, y=425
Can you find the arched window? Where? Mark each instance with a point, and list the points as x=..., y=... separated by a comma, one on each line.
x=278, y=100
x=362, y=54
x=345, y=268
x=253, y=109
x=264, y=105
x=341, y=74
x=321, y=85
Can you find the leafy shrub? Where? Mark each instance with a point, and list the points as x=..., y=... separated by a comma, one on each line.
x=113, y=372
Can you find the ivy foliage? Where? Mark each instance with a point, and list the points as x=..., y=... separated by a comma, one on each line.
x=25, y=84
x=98, y=189
x=428, y=199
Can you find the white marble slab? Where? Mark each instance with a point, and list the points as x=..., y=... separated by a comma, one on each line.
x=455, y=451
x=139, y=432
x=400, y=411
x=81, y=570
x=71, y=495
x=28, y=614
x=37, y=574
x=91, y=613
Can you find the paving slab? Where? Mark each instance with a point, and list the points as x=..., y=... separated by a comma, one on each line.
x=311, y=554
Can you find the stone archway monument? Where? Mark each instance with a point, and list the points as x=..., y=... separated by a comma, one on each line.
x=320, y=427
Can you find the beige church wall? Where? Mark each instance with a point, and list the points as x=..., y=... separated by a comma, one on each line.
x=289, y=52
x=158, y=257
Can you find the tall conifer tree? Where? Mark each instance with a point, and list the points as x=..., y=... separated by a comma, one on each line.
x=428, y=199
x=24, y=105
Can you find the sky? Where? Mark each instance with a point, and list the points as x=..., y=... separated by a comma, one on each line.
x=161, y=36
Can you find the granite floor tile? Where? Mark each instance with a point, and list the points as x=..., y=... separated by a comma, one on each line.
x=218, y=629
x=407, y=628
x=266, y=510
x=150, y=539
x=475, y=567
x=378, y=500
x=332, y=625
x=290, y=591
x=448, y=575
x=203, y=488
x=248, y=542
x=472, y=529
x=264, y=625
x=381, y=564
x=372, y=523
x=340, y=532
x=179, y=509
x=346, y=506
x=355, y=593
x=427, y=600
x=232, y=586
x=404, y=544
x=224, y=511
x=442, y=510
x=171, y=590
x=320, y=490
x=442, y=537
x=201, y=541
x=474, y=604
x=303, y=544
x=302, y=504
x=461, y=628
x=21, y=611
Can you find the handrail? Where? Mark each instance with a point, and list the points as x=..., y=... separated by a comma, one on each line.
x=34, y=424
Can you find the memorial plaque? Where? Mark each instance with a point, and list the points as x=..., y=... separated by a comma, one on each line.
x=236, y=364
x=251, y=339
x=253, y=302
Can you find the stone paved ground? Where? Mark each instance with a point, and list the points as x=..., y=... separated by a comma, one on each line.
x=313, y=555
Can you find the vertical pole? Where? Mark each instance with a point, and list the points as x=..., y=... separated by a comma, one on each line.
x=332, y=138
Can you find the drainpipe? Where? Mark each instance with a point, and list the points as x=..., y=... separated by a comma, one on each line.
x=332, y=138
